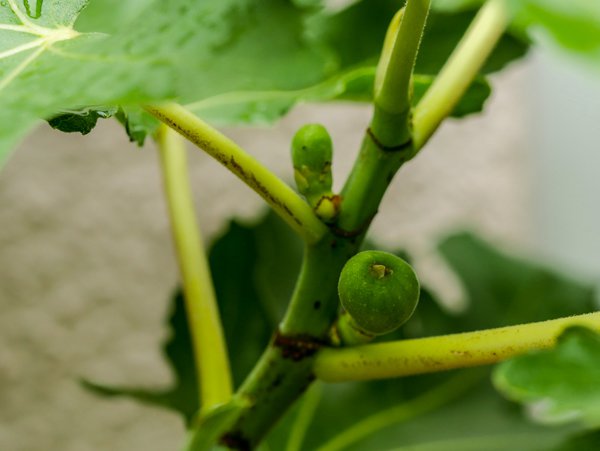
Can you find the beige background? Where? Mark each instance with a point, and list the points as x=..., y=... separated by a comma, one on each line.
x=86, y=264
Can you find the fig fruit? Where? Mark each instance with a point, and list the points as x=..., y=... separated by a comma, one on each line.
x=379, y=291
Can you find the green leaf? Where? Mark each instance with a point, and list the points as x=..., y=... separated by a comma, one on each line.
x=183, y=395
x=155, y=50
x=558, y=385
x=265, y=107
x=356, y=35
x=579, y=442
x=82, y=121
x=444, y=30
x=137, y=123
x=504, y=290
x=450, y=411
x=574, y=25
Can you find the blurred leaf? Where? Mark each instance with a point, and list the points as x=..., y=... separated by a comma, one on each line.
x=449, y=411
x=444, y=30
x=574, y=25
x=183, y=395
x=356, y=35
x=137, y=123
x=265, y=107
x=558, y=385
x=581, y=442
x=504, y=290
x=80, y=121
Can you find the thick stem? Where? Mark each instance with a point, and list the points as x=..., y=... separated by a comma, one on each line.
x=371, y=175
x=283, y=199
x=388, y=141
x=286, y=368
x=460, y=70
x=425, y=355
x=210, y=351
x=281, y=376
x=314, y=304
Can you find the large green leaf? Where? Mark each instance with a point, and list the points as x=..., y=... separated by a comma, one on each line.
x=574, y=25
x=559, y=385
x=154, y=50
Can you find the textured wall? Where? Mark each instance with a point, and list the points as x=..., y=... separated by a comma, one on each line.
x=86, y=264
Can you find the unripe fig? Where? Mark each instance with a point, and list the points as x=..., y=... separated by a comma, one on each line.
x=379, y=290
x=312, y=151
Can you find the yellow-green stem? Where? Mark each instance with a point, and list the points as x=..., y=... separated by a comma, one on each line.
x=284, y=200
x=425, y=355
x=460, y=70
x=210, y=350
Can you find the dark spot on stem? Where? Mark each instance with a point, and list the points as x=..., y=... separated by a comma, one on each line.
x=317, y=305
x=235, y=440
x=297, y=347
x=277, y=382
x=338, y=231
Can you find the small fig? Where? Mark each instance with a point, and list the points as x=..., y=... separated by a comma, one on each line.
x=379, y=290
x=312, y=151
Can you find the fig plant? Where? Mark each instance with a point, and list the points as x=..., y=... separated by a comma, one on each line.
x=175, y=69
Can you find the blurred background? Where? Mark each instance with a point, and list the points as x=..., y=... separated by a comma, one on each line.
x=87, y=267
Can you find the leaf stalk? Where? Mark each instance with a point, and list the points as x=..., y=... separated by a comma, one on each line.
x=210, y=350
x=459, y=71
x=284, y=200
x=432, y=354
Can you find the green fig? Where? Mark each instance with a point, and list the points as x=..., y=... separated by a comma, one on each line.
x=379, y=291
x=312, y=151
